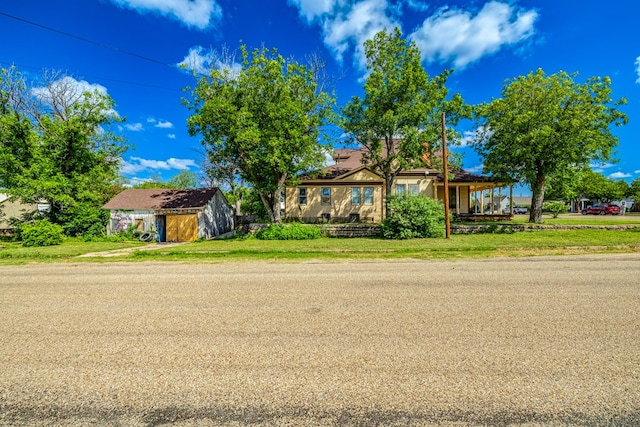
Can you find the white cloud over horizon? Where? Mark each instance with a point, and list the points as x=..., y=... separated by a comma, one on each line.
x=137, y=164
x=200, y=14
x=475, y=169
x=638, y=69
x=455, y=35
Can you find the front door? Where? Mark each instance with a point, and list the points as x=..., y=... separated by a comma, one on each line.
x=182, y=228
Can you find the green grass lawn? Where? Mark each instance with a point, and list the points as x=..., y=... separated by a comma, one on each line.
x=511, y=244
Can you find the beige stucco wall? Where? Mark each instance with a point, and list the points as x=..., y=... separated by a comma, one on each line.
x=340, y=206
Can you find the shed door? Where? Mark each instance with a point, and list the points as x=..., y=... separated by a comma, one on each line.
x=182, y=228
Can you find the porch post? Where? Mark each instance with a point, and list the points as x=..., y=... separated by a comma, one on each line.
x=511, y=199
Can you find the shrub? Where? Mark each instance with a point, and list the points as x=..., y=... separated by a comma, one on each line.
x=554, y=208
x=41, y=233
x=411, y=216
x=84, y=220
x=293, y=231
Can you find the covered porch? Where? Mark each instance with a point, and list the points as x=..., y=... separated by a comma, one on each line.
x=477, y=198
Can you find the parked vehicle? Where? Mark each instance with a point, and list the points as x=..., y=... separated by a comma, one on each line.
x=602, y=209
x=520, y=210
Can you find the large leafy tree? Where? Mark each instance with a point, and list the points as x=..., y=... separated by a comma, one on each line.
x=398, y=122
x=547, y=125
x=264, y=119
x=57, y=145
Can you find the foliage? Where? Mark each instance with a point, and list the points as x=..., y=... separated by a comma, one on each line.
x=399, y=120
x=411, y=216
x=545, y=125
x=252, y=205
x=57, y=145
x=555, y=208
x=263, y=120
x=183, y=179
x=41, y=233
x=83, y=219
x=293, y=231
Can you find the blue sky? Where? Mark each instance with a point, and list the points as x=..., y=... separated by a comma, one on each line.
x=130, y=49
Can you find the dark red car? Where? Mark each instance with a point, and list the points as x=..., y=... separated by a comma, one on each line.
x=602, y=209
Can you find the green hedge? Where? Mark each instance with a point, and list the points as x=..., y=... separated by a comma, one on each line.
x=293, y=231
x=412, y=216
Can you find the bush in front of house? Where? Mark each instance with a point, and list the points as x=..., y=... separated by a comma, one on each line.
x=555, y=208
x=41, y=233
x=410, y=216
x=293, y=231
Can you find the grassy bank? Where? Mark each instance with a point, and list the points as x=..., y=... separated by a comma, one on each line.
x=547, y=242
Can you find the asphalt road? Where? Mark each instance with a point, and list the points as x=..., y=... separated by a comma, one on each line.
x=537, y=342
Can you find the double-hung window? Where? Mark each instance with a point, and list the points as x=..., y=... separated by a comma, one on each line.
x=368, y=196
x=414, y=189
x=326, y=196
x=401, y=189
x=356, y=196
x=302, y=196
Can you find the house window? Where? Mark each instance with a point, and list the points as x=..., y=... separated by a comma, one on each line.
x=356, y=196
x=368, y=196
x=453, y=199
x=414, y=189
x=302, y=196
x=326, y=196
x=401, y=189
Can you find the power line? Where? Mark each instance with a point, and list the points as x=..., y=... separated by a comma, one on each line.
x=86, y=40
x=98, y=78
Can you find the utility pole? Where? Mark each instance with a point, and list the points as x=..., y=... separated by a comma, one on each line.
x=445, y=172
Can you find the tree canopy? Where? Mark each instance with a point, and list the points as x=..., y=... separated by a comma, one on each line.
x=545, y=125
x=264, y=119
x=57, y=145
x=399, y=120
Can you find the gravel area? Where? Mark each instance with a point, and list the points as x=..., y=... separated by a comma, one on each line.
x=547, y=341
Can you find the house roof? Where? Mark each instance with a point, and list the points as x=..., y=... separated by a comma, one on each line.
x=152, y=199
x=348, y=160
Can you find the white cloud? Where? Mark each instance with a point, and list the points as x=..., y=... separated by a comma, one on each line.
x=66, y=92
x=192, y=13
x=312, y=9
x=151, y=120
x=418, y=5
x=636, y=171
x=135, y=127
x=164, y=125
x=600, y=167
x=202, y=60
x=456, y=35
x=475, y=169
x=347, y=24
x=638, y=68
x=619, y=175
x=172, y=136
x=138, y=164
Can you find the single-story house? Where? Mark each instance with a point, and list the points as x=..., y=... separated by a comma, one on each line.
x=174, y=215
x=353, y=192
x=12, y=208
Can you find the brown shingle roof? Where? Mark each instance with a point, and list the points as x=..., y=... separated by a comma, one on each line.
x=161, y=199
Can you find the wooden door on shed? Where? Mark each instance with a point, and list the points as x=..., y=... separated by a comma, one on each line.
x=182, y=228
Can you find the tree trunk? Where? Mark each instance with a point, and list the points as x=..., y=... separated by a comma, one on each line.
x=537, y=199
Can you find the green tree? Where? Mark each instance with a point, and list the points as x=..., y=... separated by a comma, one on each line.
x=70, y=157
x=595, y=186
x=399, y=120
x=544, y=125
x=633, y=192
x=184, y=179
x=265, y=119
